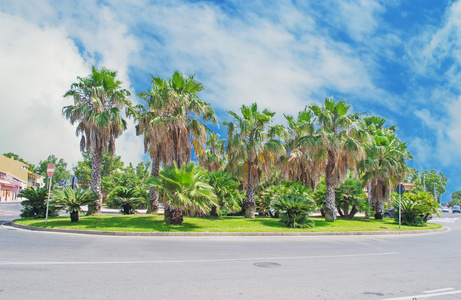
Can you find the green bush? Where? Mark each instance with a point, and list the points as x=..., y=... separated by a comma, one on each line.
x=35, y=205
x=416, y=208
x=294, y=211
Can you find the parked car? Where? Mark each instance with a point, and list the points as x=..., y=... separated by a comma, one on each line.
x=389, y=213
x=445, y=209
x=456, y=208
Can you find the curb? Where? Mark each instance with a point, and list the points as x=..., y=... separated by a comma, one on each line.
x=121, y=233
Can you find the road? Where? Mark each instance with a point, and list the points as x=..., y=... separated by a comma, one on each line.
x=44, y=265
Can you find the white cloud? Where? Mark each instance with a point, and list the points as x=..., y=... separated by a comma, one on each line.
x=38, y=65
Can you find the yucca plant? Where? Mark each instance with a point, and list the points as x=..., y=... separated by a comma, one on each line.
x=127, y=199
x=73, y=200
x=294, y=211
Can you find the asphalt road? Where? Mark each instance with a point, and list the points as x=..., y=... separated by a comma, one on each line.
x=43, y=265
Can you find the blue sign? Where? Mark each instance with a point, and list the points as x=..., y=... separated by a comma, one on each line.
x=63, y=182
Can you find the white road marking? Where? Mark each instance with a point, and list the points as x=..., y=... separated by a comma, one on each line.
x=6, y=263
x=425, y=296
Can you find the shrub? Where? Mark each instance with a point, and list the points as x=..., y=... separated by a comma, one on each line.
x=294, y=211
x=416, y=208
x=35, y=205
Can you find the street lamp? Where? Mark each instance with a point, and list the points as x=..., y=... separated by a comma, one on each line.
x=19, y=181
x=424, y=180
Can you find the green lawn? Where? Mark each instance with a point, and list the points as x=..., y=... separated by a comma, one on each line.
x=154, y=223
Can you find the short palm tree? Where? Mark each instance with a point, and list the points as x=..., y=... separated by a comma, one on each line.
x=127, y=199
x=295, y=210
x=337, y=145
x=249, y=141
x=73, y=199
x=184, y=190
x=35, y=204
x=98, y=101
x=226, y=190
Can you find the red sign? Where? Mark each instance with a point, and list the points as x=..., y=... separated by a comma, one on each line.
x=50, y=170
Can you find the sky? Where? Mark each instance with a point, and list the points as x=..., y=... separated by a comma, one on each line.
x=400, y=60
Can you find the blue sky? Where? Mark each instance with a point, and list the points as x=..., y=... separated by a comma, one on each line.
x=400, y=60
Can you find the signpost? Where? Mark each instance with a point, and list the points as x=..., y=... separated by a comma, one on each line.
x=400, y=191
x=49, y=172
x=63, y=182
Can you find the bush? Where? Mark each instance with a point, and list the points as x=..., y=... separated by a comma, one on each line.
x=292, y=189
x=35, y=205
x=416, y=208
x=294, y=211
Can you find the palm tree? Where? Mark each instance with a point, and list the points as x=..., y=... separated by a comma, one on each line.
x=127, y=199
x=212, y=157
x=35, y=204
x=336, y=144
x=300, y=164
x=72, y=200
x=98, y=100
x=250, y=142
x=170, y=123
x=226, y=190
x=383, y=167
x=185, y=190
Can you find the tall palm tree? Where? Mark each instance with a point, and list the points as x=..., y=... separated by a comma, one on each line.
x=98, y=101
x=383, y=167
x=250, y=142
x=372, y=124
x=212, y=157
x=337, y=145
x=300, y=163
x=171, y=123
x=185, y=190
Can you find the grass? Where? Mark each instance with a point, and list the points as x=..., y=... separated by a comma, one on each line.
x=154, y=223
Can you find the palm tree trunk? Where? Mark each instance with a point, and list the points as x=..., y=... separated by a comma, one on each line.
x=250, y=205
x=153, y=193
x=95, y=185
x=74, y=216
x=330, y=207
x=367, y=213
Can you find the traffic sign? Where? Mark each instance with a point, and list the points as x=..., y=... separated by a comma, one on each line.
x=63, y=182
x=50, y=170
x=400, y=189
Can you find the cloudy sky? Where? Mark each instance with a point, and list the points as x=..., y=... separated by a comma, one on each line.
x=400, y=60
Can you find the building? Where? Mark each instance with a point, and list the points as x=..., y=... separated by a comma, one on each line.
x=14, y=177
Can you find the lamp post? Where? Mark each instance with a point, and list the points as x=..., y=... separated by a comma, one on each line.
x=424, y=181
x=19, y=181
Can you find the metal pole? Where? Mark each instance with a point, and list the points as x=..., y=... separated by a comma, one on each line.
x=48, y=201
x=400, y=211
